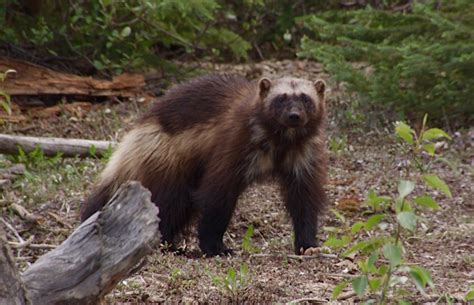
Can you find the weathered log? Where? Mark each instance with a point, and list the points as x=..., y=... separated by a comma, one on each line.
x=31, y=79
x=100, y=252
x=12, y=291
x=51, y=146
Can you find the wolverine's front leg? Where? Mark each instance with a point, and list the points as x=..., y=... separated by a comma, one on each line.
x=304, y=198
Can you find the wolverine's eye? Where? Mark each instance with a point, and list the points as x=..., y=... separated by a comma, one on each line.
x=280, y=100
x=306, y=99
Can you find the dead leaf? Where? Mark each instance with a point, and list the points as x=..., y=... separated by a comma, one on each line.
x=349, y=204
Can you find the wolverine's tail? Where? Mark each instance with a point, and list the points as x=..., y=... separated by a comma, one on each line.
x=96, y=200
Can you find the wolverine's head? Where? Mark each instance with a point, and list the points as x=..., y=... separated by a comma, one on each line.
x=292, y=102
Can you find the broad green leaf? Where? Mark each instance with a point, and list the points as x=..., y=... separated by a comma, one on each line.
x=337, y=243
x=398, y=205
x=436, y=183
x=393, y=253
x=338, y=289
x=405, y=187
x=434, y=133
x=383, y=270
x=357, y=247
x=359, y=284
x=371, y=260
x=357, y=226
x=402, y=205
x=365, y=245
x=427, y=201
x=469, y=295
x=375, y=201
x=421, y=277
x=374, y=284
x=429, y=148
x=403, y=302
x=405, y=132
x=407, y=220
x=363, y=267
x=373, y=221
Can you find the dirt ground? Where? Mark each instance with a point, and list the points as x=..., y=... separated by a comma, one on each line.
x=364, y=156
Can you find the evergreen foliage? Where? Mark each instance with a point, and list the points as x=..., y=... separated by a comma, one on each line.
x=422, y=61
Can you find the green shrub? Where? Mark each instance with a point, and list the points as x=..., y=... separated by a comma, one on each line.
x=418, y=62
x=114, y=35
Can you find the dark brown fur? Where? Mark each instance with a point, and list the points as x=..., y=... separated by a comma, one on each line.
x=202, y=145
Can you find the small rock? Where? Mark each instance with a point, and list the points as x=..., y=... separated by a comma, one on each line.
x=17, y=169
x=4, y=183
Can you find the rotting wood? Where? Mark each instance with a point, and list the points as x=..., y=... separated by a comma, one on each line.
x=103, y=250
x=31, y=79
x=12, y=291
x=51, y=146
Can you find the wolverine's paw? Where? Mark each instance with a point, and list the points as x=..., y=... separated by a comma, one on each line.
x=306, y=249
x=312, y=251
x=217, y=251
x=226, y=252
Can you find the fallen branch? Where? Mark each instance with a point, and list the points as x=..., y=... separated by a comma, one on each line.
x=294, y=256
x=102, y=251
x=12, y=229
x=31, y=79
x=28, y=244
x=24, y=213
x=309, y=300
x=23, y=244
x=51, y=146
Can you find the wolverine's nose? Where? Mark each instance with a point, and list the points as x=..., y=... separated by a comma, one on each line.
x=294, y=117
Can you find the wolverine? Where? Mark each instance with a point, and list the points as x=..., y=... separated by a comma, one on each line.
x=206, y=140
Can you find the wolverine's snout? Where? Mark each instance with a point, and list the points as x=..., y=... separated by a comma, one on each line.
x=295, y=117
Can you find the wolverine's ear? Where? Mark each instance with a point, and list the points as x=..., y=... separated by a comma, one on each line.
x=320, y=87
x=264, y=86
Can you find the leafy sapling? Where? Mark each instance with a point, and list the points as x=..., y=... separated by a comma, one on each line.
x=234, y=282
x=247, y=246
x=380, y=252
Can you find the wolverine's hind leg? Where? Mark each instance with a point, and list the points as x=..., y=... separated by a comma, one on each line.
x=216, y=199
x=175, y=212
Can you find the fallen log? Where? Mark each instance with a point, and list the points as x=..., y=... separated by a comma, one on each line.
x=99, y=253
x=51, y=146
x=31, y=79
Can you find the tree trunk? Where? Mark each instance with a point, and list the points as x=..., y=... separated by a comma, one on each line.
x=99, y=253
x=51, y=146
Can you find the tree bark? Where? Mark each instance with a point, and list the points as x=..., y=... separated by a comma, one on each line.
x=99, y=253
x=51, y=146
x=12, y=291
x=31, y=79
